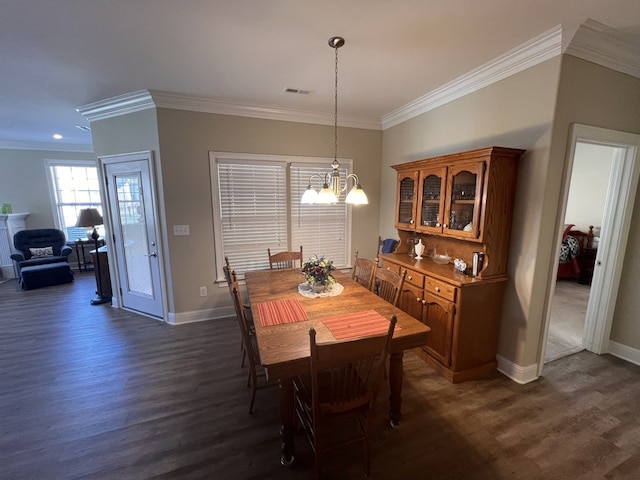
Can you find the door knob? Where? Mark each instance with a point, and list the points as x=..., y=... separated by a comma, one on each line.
x=153, y=254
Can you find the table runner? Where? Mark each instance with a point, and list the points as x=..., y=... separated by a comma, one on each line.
x=281, y=311
x=359, y=324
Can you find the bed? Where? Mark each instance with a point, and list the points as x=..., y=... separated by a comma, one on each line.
x=573, y=243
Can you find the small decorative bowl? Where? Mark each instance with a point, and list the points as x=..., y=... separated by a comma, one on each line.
x=460, y=265
x=441, y=259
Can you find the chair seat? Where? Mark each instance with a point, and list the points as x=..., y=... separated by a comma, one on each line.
x=42, y=261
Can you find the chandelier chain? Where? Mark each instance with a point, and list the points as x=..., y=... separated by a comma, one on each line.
x=335, y=112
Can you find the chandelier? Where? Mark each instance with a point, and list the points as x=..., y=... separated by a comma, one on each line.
x=332, y=183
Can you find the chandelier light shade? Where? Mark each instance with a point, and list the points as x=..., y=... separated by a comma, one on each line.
x=332, y=183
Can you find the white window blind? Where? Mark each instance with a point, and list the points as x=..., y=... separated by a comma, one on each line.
x=253, y=212
x=320, y=229
x=257, y=206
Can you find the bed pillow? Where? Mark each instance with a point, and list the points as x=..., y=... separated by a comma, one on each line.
x=41, y=252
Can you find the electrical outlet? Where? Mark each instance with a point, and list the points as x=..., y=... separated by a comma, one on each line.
x=181, y=230
x=203, y=291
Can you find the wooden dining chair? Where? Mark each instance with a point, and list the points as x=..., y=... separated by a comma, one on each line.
x=232, y=281
x=388, y=284
x=341, y=392
x=364, y=271
x=291, y=259
x=257, y=377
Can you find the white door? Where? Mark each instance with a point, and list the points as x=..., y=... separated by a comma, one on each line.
x=135, y=241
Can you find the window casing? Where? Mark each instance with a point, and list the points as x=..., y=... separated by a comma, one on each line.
x=74, y=185
x=256, y=205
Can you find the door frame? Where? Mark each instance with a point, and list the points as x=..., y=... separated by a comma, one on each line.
x=618, y=209
x=112, y=255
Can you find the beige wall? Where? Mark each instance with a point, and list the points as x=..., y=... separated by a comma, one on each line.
x=24, y=183
x=593, y=95
x=181, y=141
x=521, y=112
x=516, y=112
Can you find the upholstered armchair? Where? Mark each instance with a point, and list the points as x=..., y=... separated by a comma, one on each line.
x=40, y=247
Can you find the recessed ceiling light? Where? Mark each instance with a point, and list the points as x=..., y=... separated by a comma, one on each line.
x=57, y=136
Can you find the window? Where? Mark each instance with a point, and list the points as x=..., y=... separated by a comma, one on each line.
x=256, y=204
x=74, y=186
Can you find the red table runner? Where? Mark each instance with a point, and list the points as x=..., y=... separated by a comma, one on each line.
x=281, y=311
x=359, y=324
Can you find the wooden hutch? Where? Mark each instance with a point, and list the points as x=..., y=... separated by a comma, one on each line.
x=458, y=204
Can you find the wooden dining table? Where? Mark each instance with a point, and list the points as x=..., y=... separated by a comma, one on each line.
x=283, y=317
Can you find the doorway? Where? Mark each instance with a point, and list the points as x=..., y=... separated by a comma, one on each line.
x=588, y=184
x=620, y=197
x=133, y=219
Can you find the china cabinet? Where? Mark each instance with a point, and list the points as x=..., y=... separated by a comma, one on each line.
x=459, y=204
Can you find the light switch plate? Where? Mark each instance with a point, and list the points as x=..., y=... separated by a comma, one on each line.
x=181, y=230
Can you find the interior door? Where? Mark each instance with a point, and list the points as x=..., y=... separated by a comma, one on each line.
x=135, y=240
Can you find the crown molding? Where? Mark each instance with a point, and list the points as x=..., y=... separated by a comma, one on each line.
x=51, y=147
x=116, y=106
x=597, y=43
x=145, y=99
x=227, y=107
x=537, y=50
x=592, y=41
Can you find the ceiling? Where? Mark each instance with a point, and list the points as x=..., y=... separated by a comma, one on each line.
x=58, y=55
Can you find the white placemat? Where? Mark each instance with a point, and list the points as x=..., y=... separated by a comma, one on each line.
x=306, y=290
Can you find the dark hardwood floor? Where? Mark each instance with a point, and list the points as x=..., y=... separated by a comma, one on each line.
x=94, y=392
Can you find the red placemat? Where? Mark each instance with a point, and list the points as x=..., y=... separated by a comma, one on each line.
x=359, y=324
x=281, y=311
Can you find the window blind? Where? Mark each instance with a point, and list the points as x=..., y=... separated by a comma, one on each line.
x=253, y=212
x=320, y=229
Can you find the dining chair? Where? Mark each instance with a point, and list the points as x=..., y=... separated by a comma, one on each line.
x=257, y=377
x=232, y=281
x=335, y=403
x=388, y=284
x=364, y=270
x=285, y=259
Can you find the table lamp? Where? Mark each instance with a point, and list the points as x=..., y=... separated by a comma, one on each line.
x=90, y=217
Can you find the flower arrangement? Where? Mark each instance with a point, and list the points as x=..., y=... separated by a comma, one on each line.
x=317, y=270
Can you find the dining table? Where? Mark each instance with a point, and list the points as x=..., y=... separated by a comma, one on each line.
x=284, y=309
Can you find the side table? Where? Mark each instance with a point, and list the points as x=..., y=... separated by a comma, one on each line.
x=79, y=246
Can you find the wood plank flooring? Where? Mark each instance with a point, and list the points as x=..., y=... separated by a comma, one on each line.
x=98, y=393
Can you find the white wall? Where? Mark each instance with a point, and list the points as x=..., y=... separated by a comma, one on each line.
x=588, y=189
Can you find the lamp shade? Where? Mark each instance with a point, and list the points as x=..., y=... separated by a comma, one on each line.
x=89, y=217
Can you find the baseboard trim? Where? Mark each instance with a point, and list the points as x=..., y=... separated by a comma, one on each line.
x=517, y=373
x=200, y=315
x=624, y=352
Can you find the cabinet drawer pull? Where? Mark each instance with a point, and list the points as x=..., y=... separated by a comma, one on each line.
x=409, y=277
x=437, y=289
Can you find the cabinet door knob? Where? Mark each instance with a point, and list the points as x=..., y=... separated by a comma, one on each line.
x=445, y=226
x=418, y=299
x=411, y=221
x=424, y=302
